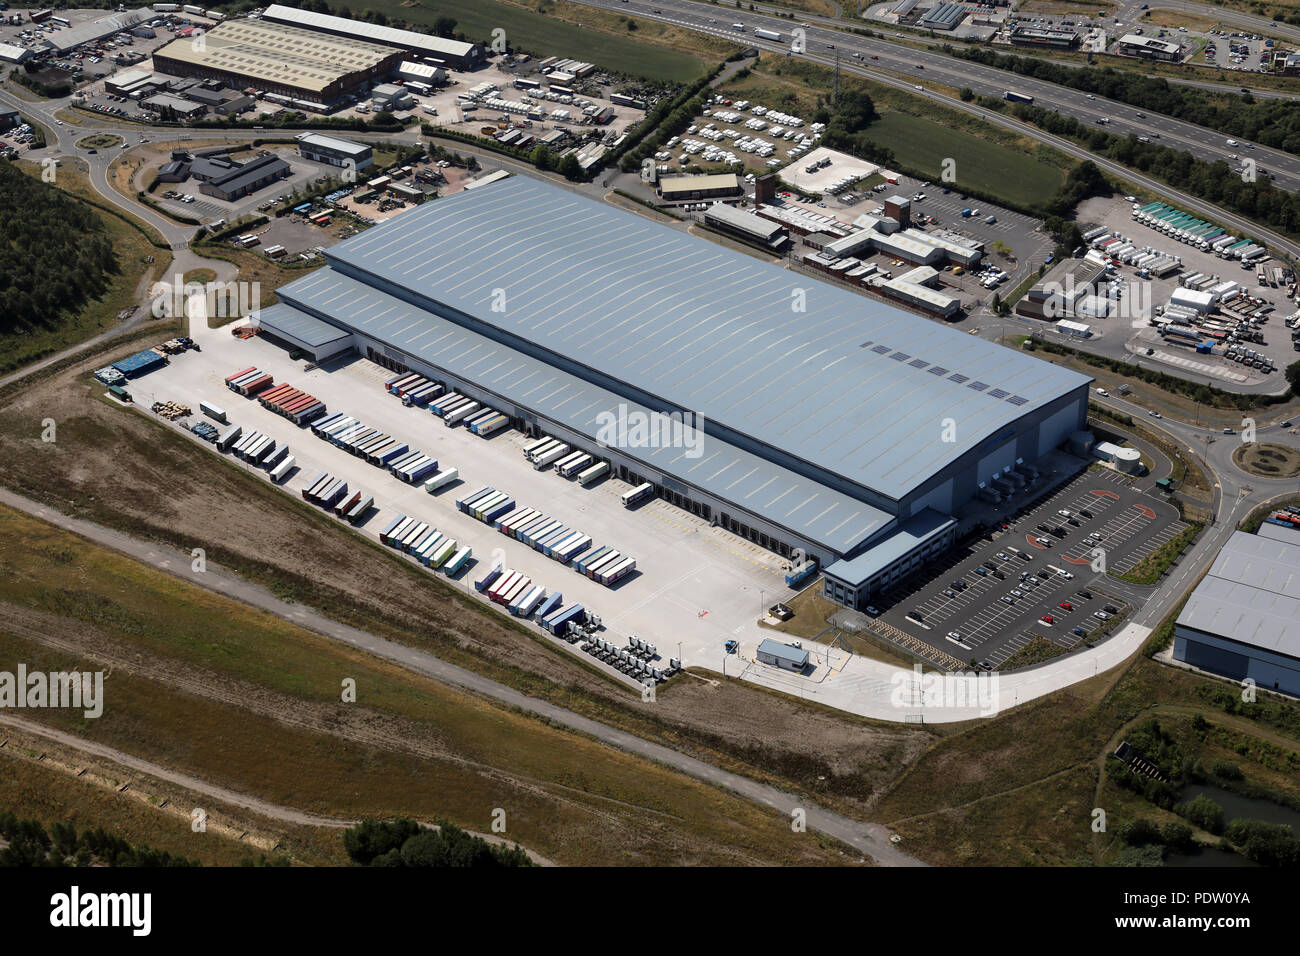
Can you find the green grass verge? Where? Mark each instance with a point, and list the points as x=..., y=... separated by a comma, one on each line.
x=995, y=170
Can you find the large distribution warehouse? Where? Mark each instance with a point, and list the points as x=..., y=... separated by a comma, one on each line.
x=828, y=424
x=454, y=53
x=308, y=66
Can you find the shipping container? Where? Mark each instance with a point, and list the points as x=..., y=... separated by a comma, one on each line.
x=441, y=480
x=240, y=374
x=213, y=412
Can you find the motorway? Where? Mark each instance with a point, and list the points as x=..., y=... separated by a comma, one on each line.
x=927, y=68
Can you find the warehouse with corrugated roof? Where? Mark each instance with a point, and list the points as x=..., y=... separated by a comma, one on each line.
x=454, y=53
x=823, y=429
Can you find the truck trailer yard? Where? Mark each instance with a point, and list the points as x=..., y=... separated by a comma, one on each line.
x=693, y=584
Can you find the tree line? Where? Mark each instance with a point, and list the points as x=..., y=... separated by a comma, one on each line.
x=58, y=255
x=30, y=844
x=405, y=843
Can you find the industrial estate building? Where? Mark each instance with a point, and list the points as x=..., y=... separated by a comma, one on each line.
x=1038, y=36
x=311, y=68
x=850, y=432
x=334, y=151
x=1150, y=48
x=1243, y=619
x=65, y=40
x=452, y=53
x=747, y=226
x=704, y=186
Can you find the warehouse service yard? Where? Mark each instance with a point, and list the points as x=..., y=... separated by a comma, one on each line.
x=696, y=585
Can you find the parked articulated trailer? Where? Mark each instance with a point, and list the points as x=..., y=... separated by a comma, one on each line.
x=358, y=511
x=542, y=449
x=507, y=575
x=458, y=415
x=584, y=561
x=571, y=548
x=523, y=605
x=394, y=528
x=535, y=444
x=574, y=467
x=491, y=426
x=463, y=502
x=440, y=555
x=457, y=561
x=441, y=480
x=281, y=471
x=604, y=562
x=560, y=622
x=596, y=471
x=229, y=437
x=550, y=457
x=611, y=576
x=571, y=457
x=550, y=604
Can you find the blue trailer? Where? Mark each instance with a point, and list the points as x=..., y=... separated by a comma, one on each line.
x=140, y=363
x=549, y=605
x=485, y=582
x=562, y=620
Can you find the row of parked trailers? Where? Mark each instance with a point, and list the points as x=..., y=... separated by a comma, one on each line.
x=377, y=447
x=1149, y=261
x=258, y=449
x=436, y=550
x=292, y=403
x=523, y=598
x=452, y=407
x=1196, y=232
x=249, y=382
x=552, y=537
x=327, y=491
x=547, y=452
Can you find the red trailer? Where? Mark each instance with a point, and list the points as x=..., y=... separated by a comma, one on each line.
x=231, y=378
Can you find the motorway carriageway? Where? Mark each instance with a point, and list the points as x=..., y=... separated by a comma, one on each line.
x=923, y=66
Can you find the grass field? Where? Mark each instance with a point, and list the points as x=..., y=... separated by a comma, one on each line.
x=258, y=532
x=100, y=141
x=100, y=315
x=990, y=167
x=1019, y=789
x=247, y=701
x=553, y=29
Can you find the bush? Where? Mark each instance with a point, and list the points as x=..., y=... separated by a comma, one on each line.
x=1140, y=831
x=1203, y=813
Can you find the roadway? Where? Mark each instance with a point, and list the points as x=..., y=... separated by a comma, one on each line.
x=927, y=67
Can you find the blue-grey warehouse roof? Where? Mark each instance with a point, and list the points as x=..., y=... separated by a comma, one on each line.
x=818, y=514
x=849, y=384
x=309, y=331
